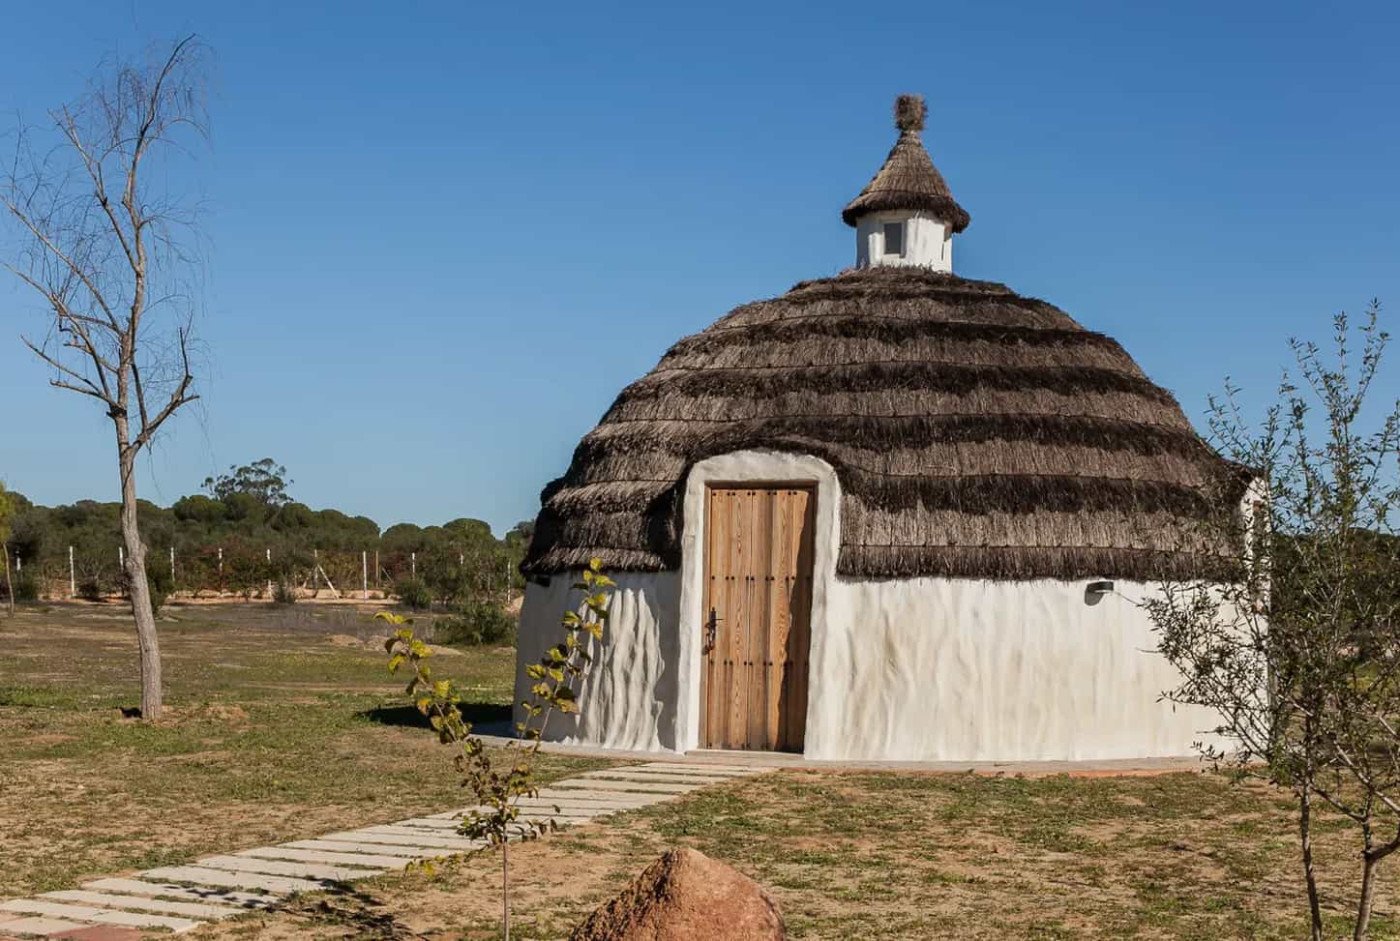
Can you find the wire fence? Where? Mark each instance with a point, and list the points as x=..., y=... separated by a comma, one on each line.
x=249, y=572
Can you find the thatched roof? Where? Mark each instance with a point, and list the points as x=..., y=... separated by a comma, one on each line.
x=975, y=433
x=908, y=180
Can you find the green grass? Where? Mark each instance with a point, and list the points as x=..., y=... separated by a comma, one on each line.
x=278, y=733
x=899, y=855
x=274, y=733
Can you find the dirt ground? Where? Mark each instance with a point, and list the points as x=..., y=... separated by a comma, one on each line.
x=285, y=725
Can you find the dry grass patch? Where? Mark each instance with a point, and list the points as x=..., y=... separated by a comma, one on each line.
x=889, y=855
x=273, y=734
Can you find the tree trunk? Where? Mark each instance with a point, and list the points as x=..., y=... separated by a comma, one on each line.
x=1309, y=873
x=505, y=888
x=146, y=641
x=1369, y=864
x=9, y=585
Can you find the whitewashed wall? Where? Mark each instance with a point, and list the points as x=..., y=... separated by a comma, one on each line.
x=914, y=669
x=927, y=241
x=629, y=698
x=959, y=669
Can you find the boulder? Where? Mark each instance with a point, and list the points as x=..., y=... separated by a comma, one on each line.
x=686, y=896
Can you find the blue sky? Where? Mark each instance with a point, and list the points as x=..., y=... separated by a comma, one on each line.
x=444, y=235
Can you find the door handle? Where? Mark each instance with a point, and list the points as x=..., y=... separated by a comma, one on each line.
x=711, y=631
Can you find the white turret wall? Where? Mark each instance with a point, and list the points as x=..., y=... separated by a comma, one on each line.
x=927, y=241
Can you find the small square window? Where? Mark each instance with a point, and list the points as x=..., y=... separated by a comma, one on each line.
x=894, y=238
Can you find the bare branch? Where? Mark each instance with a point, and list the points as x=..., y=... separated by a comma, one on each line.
x=83, y=384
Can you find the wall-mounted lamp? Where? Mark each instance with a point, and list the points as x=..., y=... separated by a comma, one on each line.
x=1094, y=592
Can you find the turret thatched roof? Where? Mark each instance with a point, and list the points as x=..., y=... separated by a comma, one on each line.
x=975, y=433
x=908, y=180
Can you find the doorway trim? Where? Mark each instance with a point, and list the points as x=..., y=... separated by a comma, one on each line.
x=760, y=468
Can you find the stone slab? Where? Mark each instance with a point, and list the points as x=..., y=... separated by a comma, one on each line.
x=404, y=853
x=578, y=810
x=656, y=777
x=572, y=820
x=295, y=870
x=582, y=798
x=131, y=902
x=590, y=813
x=598, y=784
x=243, y=900
x=418, y=836
x=625, y=799
x=43, y=927
x=429, y=823
x=376, y=836
x=735, y=771
x=234, y=880
x=567, y=799
x=369, y=861
x=101, y=916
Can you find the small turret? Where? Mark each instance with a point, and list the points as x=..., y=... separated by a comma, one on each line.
x=906, y=215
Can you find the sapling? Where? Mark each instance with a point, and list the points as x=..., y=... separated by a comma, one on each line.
x=498, y=782
x=1295, y=647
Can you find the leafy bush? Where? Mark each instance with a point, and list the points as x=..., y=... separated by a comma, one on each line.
x=476, y=623
x=90, y=587
x=284, y=592
x=413, y=592
x=161, y=585
x=26, y=587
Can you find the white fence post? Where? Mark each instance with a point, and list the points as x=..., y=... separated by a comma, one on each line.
x=364, y=574
x=72, y=576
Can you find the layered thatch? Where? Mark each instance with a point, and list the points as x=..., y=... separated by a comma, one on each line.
x=975, y=433
x=908, y=180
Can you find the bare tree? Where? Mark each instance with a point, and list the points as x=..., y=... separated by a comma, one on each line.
x=7, y=512
x=1297, y=648
x=104, y=240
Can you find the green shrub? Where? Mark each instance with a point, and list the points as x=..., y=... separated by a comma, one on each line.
x=413, y=592
x=90, y=588
x=284, y=592
x=160, y=583
x=26, y=587
x=476, y=623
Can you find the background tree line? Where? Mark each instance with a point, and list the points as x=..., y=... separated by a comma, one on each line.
x=246, y=533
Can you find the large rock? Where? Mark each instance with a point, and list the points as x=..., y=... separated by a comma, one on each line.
x=686, y=896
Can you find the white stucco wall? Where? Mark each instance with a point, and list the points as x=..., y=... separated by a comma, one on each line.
x=927, y=241
x=628, y=699
x=961, y=669
x=913, y=669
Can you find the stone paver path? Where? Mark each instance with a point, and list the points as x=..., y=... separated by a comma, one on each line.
x=180, y=898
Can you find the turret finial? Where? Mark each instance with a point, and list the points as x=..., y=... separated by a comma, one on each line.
x=909, y=113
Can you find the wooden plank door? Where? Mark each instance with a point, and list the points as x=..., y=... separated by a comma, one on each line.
x=757, y=616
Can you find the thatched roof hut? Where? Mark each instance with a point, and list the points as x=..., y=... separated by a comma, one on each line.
x=894, y=489
x=976, y=433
